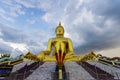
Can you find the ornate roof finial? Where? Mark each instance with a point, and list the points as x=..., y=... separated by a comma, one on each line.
x=59, y=23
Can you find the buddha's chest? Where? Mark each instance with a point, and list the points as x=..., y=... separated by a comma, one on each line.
x=60, y=42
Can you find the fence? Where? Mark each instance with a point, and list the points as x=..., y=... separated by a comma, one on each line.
x=99, y=74
x=22, y=73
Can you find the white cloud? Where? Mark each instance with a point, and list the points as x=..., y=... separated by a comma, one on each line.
x=4, y=47
x=16, y=10
x=6, y=17
x=49, y=17
x=2, y=11
x=3, y=14
x=1, y=33
x=29, y=21
x=27, y=4
x=16, y=52
x=22, y=41
x=20, y=46
x=87, y=25
x=39, y=4
x=44, y=4
x=10, y=10
x=110, y=52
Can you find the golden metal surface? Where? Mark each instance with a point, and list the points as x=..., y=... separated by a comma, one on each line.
x=60, y=74
x=62, y=50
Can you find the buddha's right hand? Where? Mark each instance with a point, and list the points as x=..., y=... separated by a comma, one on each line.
x=41, y=56
x=28, y=55
x=31, y=56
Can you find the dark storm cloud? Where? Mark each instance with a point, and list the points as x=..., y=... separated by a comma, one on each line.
x=97, y=45
x=94, y=25
x=12, y=35
x=107, y=8
x=35, y=41
x=91, y=24
x=19, y=36
x=96, y=41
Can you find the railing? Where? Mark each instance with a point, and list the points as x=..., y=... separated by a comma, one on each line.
x=5, y=62
x=116, y=75
x=22, y=73
x=16, y=62
x=100, y=74
x=11, y=62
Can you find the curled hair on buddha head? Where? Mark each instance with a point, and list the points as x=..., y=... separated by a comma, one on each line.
x=59, y=26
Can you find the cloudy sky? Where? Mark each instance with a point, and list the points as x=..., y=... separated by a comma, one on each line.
x=91, y=24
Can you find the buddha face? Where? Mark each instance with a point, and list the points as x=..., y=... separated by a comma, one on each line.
x=59, y=31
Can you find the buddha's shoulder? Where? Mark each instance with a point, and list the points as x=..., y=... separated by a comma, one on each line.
x=51, y=39
x=64, y=38
x=67, y=38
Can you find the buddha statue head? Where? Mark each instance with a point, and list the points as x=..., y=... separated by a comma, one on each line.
x=59, y=30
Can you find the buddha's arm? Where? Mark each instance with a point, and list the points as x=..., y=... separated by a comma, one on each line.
x=70, y=47
x=70, y=53
x=83, y=57
x=49, y=47
x=89, y=57
x=31, y=56
x=41, y=55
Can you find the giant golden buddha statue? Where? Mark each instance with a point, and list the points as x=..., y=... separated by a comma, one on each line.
x=61, y=49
